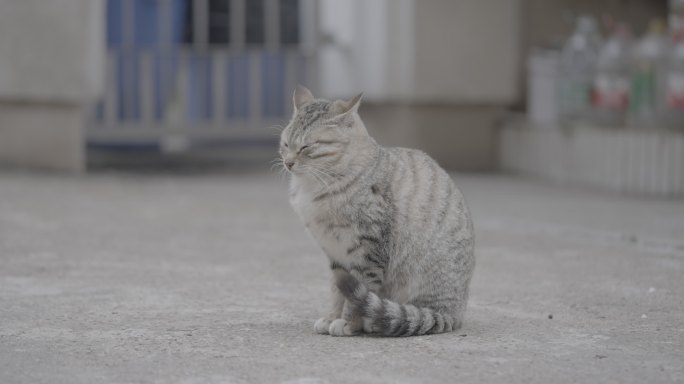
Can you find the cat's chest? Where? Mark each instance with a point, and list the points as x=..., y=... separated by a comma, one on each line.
x=328, y=223
x=303, y=205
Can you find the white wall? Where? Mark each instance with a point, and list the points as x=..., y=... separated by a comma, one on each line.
x=51, y=69
x=401, y=52
x=336, y=58
x=468, y=51
x=462, y=51
x=356, y=58
x=51, y=50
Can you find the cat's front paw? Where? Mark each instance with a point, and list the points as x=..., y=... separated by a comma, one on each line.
x=340, y=327
x=322, y=325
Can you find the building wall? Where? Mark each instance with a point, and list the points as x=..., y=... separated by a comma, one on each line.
x=468, y=51
x=51, y=50
x=51, y=70
x=354, y=56
x=437, y=74
x=444, y=51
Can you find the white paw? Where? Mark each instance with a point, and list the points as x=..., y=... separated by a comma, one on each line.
x=321, y=326
x=339, y=327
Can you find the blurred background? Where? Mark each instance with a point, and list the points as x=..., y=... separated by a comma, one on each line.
x=574, y=91
x=143, y=238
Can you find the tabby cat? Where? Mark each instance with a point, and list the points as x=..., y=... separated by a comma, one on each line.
x=396, y=230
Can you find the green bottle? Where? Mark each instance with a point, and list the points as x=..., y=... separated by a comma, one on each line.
x=649, y=54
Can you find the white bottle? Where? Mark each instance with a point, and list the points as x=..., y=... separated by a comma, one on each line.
x=611, y=85
x=647, y=69
x=576, y=66
x=676, y=11
x=673, y=87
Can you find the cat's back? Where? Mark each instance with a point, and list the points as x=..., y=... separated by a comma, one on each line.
x=424, y=192
x=416, y=161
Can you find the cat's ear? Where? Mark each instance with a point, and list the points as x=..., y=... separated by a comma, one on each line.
x=345, y=110
x=301, y=97
x=348, y=106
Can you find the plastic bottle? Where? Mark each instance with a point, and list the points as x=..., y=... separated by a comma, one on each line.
x=676, y=11
x=576, y=66
x=673, y=85
x=647, y=69
x=611, y=85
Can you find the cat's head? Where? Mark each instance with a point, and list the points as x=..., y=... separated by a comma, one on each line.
x=322, y=134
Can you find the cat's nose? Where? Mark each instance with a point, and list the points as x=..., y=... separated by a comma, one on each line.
x=289, y=164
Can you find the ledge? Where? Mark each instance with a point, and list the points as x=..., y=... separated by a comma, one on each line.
x=631, y=161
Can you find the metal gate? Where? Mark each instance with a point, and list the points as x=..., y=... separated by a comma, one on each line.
x=181, y=72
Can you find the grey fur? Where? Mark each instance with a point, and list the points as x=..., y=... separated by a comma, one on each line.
x=396, y=230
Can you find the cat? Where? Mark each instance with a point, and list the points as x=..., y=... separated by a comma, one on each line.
x=397, y=232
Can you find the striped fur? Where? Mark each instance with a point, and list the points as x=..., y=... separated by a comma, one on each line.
x=388, y=318
x=396, y=230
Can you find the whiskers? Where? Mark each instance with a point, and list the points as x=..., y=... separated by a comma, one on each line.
x=324, y=177
x=277, y=128
x=278, y=164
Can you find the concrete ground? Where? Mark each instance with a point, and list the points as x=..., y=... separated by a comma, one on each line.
x=209, y=278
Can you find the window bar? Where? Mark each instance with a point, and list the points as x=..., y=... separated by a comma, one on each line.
x=164, y=15
x=128, y=24
x=271, y=44
x=255, y=88
x=127, y=56
x=200, y=18
x=111, y=105
x=308, y=26
x=219, y=87
x=290, y=81
x=180, y=94
x=237, y=25
x=164, y=55
x=272, y=24
x=308, y=42
x=146, y=87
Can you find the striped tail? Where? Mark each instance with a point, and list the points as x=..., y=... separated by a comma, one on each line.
x=387, y=318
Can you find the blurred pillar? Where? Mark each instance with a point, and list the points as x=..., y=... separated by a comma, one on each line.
x=51, y=70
